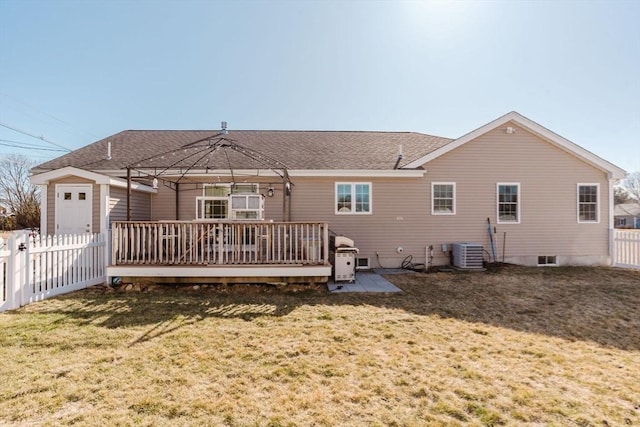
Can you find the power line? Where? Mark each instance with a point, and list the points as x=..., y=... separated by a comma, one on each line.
x=42, y=138
x=5, y=142
x=46, y=114
x=28, y=144
x=8, y=155
x=20, y=142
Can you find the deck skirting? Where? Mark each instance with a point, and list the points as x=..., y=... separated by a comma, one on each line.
x=225, y=274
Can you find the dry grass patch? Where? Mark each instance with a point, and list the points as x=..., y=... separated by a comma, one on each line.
x=511, y=347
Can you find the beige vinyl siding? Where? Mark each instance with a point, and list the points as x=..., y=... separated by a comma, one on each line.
x=164, y=204
x=401, y=208
x=548, y=178
x=51, y=208
x=51, y=202
x=140, y=205
x=164, y=201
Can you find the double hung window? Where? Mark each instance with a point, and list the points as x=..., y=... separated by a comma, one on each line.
x=588, y=202
x=353, y=198
x=443, y=198
x=508, y=203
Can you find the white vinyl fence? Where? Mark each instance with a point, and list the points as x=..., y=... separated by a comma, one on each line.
x=626, y=248
x=33, y=268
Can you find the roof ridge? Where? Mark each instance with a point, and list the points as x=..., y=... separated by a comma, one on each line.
x=285, y=130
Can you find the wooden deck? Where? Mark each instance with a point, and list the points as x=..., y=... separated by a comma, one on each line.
x=234, y=252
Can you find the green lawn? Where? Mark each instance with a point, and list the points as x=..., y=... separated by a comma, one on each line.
x=519, y=346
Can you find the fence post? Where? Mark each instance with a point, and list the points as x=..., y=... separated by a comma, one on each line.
x=25, y=268
x=13, y=275
x=612, y=245
x=18, y=245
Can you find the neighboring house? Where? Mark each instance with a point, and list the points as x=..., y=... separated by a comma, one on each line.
x=401, y=196
x=627, y=215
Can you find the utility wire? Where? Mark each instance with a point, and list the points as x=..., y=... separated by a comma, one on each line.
x=42, y=138
x=21, y=142
x=4, y=142
x=19, y=101
x=7, y=156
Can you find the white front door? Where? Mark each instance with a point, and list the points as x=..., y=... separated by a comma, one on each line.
x=73, y=208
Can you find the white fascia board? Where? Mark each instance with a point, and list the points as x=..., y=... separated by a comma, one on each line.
x=135, y=186
x=365, y=173
x=612, y=170
x=370, y=173
x=45, y=177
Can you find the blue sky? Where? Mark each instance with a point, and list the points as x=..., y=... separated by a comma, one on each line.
x=77, y=71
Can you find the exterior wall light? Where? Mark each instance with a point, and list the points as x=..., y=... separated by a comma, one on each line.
x=270, y=191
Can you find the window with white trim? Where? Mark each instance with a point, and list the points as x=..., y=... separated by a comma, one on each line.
x=246, y=206
x=508, y=203
x=588, y=199
x=225, y=201
x=547, y=260
x=215, y=203
x=443, y=198
x=353, y=198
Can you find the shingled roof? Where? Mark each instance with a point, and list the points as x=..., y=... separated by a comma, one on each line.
x=297, y=150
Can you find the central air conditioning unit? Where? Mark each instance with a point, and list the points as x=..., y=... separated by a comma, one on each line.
x=467, y=255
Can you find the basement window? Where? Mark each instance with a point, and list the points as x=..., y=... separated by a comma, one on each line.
x=547, y=260
x=363, y=264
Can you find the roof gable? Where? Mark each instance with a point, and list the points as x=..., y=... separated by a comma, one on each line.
x=46, y=177
x=536, y=129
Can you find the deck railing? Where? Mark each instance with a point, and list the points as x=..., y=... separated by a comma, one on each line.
x=219, y=243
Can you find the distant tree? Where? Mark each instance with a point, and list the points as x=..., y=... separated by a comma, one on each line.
x=17, y=193
x=632, y=185
x=620, y=196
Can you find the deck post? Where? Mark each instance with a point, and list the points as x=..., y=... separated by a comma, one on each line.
x=177, y=201
x=128, y=194
x=325, y=242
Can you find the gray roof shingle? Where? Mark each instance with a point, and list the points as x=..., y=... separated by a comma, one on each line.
x=310, y=150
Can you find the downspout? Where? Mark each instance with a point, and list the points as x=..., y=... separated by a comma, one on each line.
x=400, y=156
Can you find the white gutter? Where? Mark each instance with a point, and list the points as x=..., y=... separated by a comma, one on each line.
x=200, y=173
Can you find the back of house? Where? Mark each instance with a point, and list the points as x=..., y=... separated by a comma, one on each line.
x=521, y=192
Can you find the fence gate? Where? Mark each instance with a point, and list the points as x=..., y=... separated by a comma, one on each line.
x=33, y=268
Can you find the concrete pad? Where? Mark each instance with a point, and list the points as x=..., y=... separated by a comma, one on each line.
x=365, y=282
